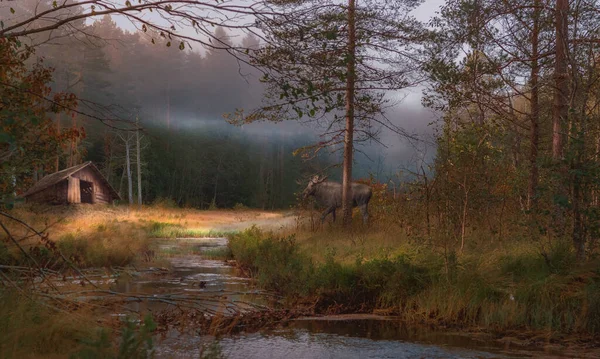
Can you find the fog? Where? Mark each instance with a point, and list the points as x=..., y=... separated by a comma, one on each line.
x=191, y=90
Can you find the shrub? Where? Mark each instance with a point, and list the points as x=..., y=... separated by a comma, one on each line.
x=276, y=263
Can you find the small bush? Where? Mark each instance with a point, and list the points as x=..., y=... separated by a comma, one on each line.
x=276, y=263
x=136, y=342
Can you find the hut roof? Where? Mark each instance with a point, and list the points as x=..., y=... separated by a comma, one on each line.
x=54, y=178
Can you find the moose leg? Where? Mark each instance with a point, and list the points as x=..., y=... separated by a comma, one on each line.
x=365, y=213
x=333, y=214
x=326, y=212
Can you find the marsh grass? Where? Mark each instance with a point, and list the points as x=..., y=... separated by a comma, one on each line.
x=173, y=230
x=32, y=330
x=223, y=253
x=107, y=236
x=501, y=287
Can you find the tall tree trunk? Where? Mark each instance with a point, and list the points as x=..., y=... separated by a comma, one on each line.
x=108, y=151
x=281, y=175
x=57, y=164
x=560, y=113
x=214, y=200
x=535, y=110
x=561, y=93
x=168, y=115
x=349, y=135
x=129, y=181
x=578, y=220
x=121, y=181
x=139, y=162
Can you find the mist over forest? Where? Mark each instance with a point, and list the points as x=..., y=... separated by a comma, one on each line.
x=190, y=154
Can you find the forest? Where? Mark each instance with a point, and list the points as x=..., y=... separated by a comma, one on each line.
x=170, y=92
x=191, y=109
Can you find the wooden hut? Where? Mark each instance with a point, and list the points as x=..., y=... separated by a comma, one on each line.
x=83, y=183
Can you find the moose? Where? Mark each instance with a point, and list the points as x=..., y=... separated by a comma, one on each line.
x=329, y=195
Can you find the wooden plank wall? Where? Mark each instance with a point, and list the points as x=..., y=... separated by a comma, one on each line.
x=69, y=190
x=49, y=195
x=74, y=192
x=61, y=189
x=101, y=193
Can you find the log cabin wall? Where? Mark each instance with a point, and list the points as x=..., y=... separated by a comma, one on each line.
x=101, y=192
x=74, y=192
x=61, y=190
x=79, y=184
x=56, y=194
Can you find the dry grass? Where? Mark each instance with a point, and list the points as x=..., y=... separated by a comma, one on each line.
x=105, y=236
x=494, y=283
x=32, y=330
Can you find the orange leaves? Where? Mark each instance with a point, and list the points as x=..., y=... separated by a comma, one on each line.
x=31, y=141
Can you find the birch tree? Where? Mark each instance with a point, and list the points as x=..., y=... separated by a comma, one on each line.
x=138, y=161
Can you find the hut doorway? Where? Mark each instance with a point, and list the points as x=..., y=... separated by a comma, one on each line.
x=87, y=191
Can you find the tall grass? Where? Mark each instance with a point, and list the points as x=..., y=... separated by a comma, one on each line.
x=31, y=330
x=513, y=289
x=104, y=236
x=172, y=230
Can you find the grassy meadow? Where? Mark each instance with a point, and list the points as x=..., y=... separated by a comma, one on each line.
x=93, y=236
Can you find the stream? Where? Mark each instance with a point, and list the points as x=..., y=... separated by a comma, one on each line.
x=203, y=281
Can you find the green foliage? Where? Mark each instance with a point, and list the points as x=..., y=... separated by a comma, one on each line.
x=97, y=348
x=559, y=260
x=541, y=292
x=212, y=351
x=136, y=342
x=275, y=262
x=29, y=140
x=279, y=265
x=32, y=329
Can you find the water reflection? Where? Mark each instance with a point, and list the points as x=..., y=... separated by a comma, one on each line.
x=303, y=344
x=207, y=284
x=213, y=284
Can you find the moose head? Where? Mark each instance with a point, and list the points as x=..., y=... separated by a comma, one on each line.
x=312, y=186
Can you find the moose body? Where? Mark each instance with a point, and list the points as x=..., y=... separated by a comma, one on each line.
x=329, y=195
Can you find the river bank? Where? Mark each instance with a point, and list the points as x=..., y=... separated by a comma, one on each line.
x=508, y=298
x=513, y=295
